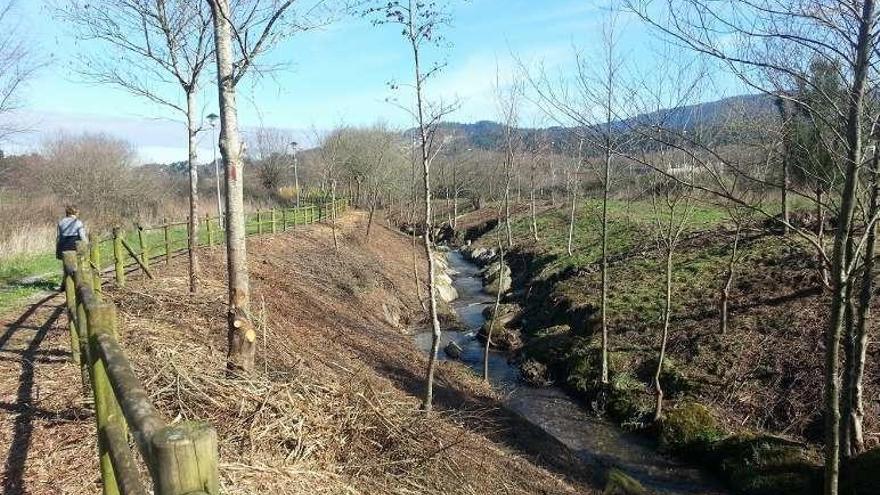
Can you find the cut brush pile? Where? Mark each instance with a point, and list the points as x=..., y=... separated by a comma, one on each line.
x=333, y=407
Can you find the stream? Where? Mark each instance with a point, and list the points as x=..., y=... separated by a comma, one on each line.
x=595, y=441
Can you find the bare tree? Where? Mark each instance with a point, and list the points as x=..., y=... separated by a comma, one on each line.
x=243, y=31
x=672, y=206
x=154, y=47
x=421, y=22
x=507, y=97
x=18, y=64
x=771, y=44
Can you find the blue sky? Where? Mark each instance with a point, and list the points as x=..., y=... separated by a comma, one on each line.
x=334, y=75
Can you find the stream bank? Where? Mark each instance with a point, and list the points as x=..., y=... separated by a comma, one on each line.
x=599, y=444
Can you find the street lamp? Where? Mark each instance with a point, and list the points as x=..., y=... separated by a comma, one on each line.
x=293, y=144
x=212, y=120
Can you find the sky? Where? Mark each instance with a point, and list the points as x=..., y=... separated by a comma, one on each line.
x=338, y=74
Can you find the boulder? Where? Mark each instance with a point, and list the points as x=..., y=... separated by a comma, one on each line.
x=445, y=290
x=689, y=426
x=498, y=280
x=391, y=315
x=620, y=483
x=535, y=374
x=453, y=350
x=503, y=309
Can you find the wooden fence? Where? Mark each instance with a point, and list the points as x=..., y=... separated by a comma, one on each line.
x=181, y=459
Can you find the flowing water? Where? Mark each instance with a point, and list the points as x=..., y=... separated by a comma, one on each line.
x=596, y=442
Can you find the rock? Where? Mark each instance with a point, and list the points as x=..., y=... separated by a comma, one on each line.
x=498, y=281
x=391, y=315
x=862, y=475
x=535, y=374
x=445, y=290
x=688, y=426
x=453, y=350
x=769, y=465
x=503, y=309
x=620, y=483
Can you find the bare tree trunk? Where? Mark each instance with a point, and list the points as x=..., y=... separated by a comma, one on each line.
x=492, y=322
x=333, y=224
x=860, y=344
x=193, y=242
x=731, y=270
x=241, y=334
x=667, y=307
x=534, y=209
x=604, y=304
x=839, y=277
x=432, y=281
x=786, y=152
x=373, y=202
x=571, y=218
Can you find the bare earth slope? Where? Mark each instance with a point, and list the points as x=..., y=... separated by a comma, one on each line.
x=333, y=408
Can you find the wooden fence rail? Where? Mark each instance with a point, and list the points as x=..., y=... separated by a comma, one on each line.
x=181, y=459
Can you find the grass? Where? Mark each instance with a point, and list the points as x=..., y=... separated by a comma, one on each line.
x=23, y=276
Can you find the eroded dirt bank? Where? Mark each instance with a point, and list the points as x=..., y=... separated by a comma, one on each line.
x=333, y=408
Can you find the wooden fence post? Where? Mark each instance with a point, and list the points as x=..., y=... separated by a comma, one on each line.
x=185, y=459
x=284, y=219
x=145, y=256
x=209, y=229
x=166, y=233
x=272, y=217
x=259, y=222
x=69, y=260
x=95, y=262
x=102, y=319
x=119, y=263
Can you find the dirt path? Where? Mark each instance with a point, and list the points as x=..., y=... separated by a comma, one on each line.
x=333, y=410
x=42, y=421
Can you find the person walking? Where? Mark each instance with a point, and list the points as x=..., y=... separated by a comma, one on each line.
x=70, y=230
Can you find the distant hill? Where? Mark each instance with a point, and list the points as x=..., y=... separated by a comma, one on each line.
x=745, y=109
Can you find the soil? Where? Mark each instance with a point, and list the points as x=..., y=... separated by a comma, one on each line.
x=333, y=407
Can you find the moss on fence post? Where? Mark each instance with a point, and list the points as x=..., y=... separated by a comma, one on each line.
x=145, y=256
x=69, y=260
x=102, y=319
x=119, y=263
x=272, y=219
x=95, y=262
x=185, y=459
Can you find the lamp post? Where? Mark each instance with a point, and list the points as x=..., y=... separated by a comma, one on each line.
x=293, y=145
x=212, y=120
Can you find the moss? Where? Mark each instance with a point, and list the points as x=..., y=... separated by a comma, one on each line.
x=550, y=345
x=619, y=483
x=672, y=377
x=862, y=475
x=628, y=404
x=584, y=365
x=764, y=465
x=689, y=427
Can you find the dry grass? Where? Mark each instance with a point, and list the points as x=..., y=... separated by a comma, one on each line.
x=317, y=417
